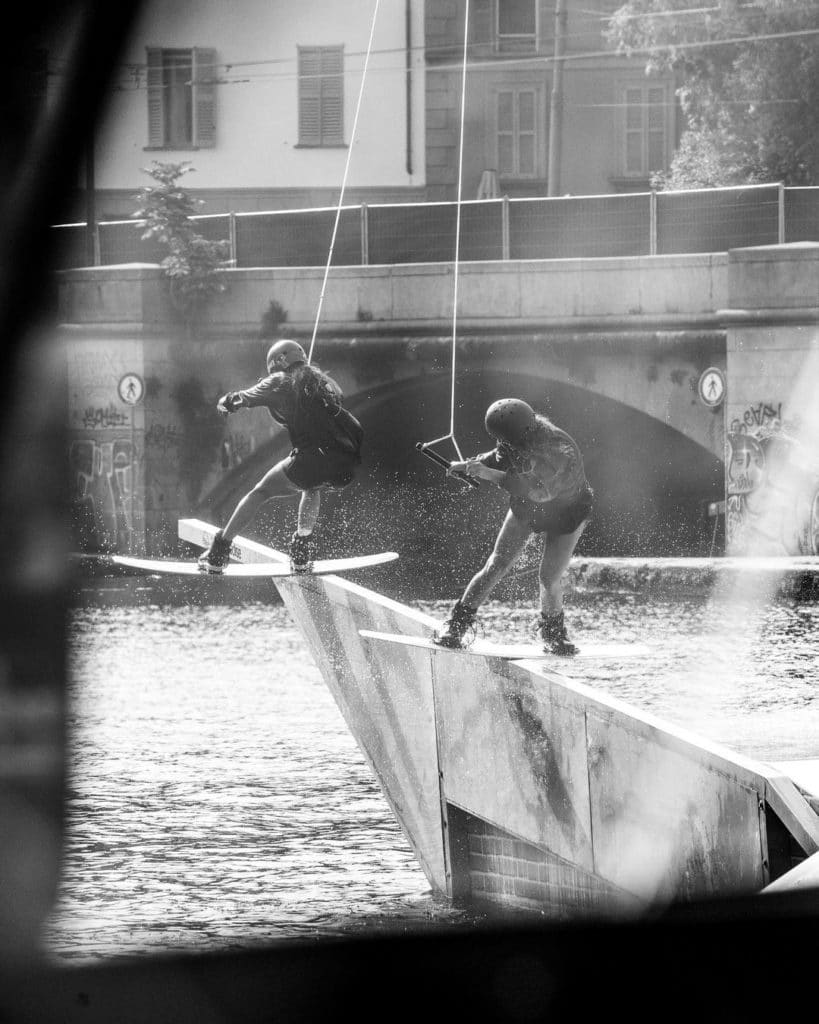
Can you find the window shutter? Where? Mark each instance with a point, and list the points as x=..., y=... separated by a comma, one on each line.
x=309, y=96
x=204, y=97
x=321, y=95
x=332, y=96
x=156, y=105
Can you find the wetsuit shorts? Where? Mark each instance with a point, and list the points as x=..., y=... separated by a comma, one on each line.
x=554, y=517
x=309, y=468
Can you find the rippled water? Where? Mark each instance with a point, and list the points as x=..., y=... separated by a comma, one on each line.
x=217, y=800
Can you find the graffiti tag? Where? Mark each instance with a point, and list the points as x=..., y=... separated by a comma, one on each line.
x=763, y=414
x=163, y=437
x=107, y=417
x=103, y=483
x=236, y=449
x=772, y=482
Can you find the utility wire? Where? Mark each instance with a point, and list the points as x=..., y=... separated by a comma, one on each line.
x=343, y=184
x=451, y=435
x=138, y=72
x=677, y=12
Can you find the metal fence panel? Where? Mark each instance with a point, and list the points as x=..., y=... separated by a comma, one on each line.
x=69, y=246
x=802, y=214
x=121, y=242
x=715, y=220
x=580, y=226
x=425, y=232
x=703, y=220
x=215, y=228
x=298, y=238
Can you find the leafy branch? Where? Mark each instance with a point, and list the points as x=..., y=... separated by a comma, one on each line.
x=193, y=264
x=747, y=77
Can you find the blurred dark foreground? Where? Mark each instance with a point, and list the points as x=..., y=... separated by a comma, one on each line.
x=743, y=960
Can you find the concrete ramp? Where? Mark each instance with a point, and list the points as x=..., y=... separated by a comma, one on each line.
x=519, y=786
x=394, y=725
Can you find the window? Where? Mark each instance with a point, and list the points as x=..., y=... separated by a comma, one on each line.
x=321, y=96
x=645, y=120
x=181, y=98
x=516, y=25
x=517, y=136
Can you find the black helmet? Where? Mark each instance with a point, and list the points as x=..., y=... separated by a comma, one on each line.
x=509, y=420
x=284, y=353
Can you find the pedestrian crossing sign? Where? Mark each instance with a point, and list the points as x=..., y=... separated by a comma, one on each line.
x=712, y=387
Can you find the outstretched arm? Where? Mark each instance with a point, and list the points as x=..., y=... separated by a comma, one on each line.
x=259, y=394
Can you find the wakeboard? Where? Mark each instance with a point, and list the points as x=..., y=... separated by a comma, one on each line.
x=516, y=652
x=321, y=567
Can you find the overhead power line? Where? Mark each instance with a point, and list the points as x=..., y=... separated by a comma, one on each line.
x=223, y=70
x=676, y=13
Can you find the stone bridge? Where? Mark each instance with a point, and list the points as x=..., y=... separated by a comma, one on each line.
x=614, y=350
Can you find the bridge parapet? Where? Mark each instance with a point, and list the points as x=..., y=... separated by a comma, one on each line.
x=514, y=295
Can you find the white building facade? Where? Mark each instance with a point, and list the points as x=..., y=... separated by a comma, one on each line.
x=261, y=96
x=264, y=99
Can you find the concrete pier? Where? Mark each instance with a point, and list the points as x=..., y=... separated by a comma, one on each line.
x=517, y=786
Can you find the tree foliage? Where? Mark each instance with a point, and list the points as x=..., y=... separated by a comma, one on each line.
x=748, y=77
x=193, y=263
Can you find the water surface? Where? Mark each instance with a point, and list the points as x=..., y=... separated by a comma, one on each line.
x=217, y=800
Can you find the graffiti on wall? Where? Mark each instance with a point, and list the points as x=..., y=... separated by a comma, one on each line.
x=164, y=437
x=772, y=486
x=236, y=447
x=109, y=416
x=103, y=482
x=761, y=416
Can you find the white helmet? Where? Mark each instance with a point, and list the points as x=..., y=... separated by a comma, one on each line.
x=284, y=353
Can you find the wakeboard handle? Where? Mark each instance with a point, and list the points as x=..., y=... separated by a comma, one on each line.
x=441, y=461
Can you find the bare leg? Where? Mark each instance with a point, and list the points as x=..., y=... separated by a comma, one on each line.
x=557, y=553
x=308, y=512
x=510, y=542
x=274, y=484
x=508, y=546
